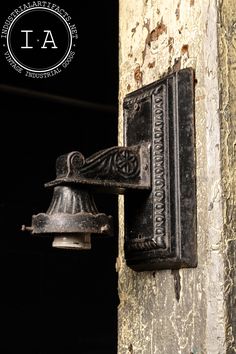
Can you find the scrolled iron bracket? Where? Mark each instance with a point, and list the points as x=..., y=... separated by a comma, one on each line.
x=116, y=169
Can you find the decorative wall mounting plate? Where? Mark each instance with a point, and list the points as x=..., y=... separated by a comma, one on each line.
x=160, y=226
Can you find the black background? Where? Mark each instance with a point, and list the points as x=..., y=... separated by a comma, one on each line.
x=56, y=301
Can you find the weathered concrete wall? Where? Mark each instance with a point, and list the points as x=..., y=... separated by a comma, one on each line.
x=227, y=77
x=155, y=36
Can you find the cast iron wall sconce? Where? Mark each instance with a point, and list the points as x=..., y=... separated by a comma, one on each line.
x=155, y=169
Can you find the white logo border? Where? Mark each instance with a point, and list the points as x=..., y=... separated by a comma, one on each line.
x=64, y=57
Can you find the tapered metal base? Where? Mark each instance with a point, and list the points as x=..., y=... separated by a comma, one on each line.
x=71, y=219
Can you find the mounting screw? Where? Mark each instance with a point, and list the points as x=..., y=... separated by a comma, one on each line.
x=26, y=228
x=104, y=229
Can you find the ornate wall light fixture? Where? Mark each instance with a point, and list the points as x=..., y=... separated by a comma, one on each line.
x=155, y=170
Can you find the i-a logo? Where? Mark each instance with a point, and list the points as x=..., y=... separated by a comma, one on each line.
x=39, y=39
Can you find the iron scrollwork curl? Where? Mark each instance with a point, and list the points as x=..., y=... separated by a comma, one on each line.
x=115, y=162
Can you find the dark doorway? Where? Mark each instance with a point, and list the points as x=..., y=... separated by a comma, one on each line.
x=58, y=301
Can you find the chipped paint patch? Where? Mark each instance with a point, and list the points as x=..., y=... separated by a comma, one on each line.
x=171, y=44
x=138, y=76
x=156, y=32
x=151, y=65
x=184, y=49
x=133, y=30
x=177, y=11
